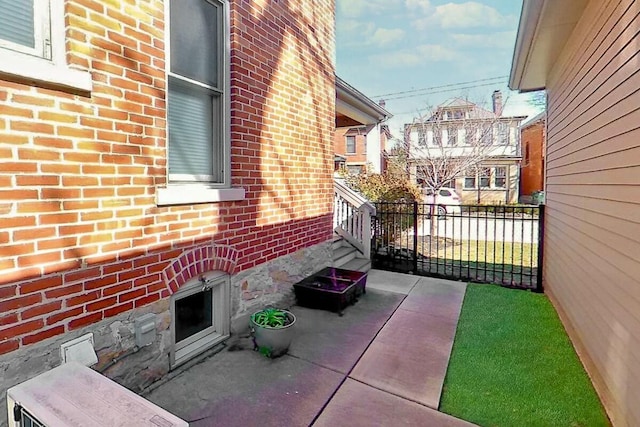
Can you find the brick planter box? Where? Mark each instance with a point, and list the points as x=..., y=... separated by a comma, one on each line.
x=331, y=289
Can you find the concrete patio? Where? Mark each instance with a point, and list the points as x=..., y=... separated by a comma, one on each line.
x=382, y=363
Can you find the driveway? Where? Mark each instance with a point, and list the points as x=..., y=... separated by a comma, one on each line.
x=382, y=363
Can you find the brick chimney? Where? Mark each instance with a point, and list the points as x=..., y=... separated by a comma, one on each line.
x=497, y=102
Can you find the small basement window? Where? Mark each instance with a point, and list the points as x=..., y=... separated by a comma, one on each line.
x=199, y=316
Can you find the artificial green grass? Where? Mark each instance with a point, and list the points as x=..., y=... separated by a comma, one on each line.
x=512, y=364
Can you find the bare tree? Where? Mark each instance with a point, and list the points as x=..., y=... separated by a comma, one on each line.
x=454, y=140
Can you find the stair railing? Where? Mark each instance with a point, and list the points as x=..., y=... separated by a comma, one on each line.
x=352, y=217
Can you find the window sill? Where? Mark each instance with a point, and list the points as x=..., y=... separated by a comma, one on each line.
x=192, y=194
x=22, y=67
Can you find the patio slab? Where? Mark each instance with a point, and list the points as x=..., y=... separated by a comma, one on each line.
x=436, y=297
x=398, y=340
x=391, y=282
x=336, y=342
x=358, y=405
x=242, y=388
x=410, y=355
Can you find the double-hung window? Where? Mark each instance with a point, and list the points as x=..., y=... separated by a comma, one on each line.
x=197, y=151
x=32, y=44
x=198, y=144
x=350, y=144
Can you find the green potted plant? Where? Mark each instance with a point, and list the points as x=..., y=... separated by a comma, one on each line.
x=272, y=331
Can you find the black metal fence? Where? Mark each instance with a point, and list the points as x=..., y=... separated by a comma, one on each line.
x=478, y=243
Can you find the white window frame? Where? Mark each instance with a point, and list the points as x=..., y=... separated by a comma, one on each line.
x=46, y=64
x=219, y=283
x=178, y=191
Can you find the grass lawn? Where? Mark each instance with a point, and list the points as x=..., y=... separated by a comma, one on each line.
x=488, y=252
x=512, y=364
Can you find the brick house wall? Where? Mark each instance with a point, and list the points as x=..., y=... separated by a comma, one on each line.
x=83, y=243
x=531, y=172
x=340, y=145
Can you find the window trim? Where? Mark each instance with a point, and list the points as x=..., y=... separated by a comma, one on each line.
x=183, y=193
x=54, y=71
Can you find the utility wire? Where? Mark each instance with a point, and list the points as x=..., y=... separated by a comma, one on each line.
x=456, y=89
x=439, y=87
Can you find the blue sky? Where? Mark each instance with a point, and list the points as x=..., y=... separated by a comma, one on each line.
x=390, y=46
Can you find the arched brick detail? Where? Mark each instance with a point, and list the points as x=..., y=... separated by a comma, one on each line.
x=196, y=261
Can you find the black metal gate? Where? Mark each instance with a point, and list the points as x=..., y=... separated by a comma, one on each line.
x=477, y=243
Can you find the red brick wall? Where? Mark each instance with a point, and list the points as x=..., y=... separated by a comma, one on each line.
x=340, y=145
x=531, y=173
x=81, y=237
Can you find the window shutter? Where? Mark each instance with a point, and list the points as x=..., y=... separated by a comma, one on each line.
x=17, y=22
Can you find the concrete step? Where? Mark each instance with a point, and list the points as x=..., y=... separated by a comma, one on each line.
x=343, y=254
x=357, y=264
x=338, y=242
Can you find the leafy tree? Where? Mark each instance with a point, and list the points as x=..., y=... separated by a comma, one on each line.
x=394, y=195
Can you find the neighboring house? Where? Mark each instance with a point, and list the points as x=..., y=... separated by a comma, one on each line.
x=584, y=53
x=351, y=144
x=532, y=137
x=360, y=136
x=465, y=132
x=164, y=157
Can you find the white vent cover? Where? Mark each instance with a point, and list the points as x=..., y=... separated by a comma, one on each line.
x=73, y=395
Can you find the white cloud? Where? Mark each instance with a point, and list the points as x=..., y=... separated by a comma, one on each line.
x=464, y=15
x=354, y=28
x=387, y=37
x=357, y=8
x=470, y=14
x=354, y=33
x=416, y=56
x=498, y=40
x=423, y=5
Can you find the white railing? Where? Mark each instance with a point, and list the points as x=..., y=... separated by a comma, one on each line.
x=352, y=217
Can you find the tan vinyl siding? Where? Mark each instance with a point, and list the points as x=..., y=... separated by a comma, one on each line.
x=592, y=238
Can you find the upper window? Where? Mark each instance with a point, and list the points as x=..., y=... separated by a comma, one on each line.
x=503, y=133
x=32, y=44
x=198, y=146
x=351, y=144
x=452, y=136
x=486, y=135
